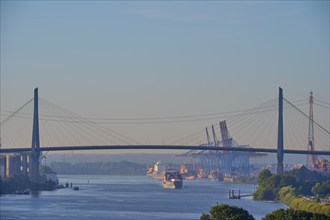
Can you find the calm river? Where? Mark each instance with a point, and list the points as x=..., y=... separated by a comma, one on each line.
x=129, y=197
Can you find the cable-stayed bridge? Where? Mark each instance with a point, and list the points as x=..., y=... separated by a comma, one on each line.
x=262, y=129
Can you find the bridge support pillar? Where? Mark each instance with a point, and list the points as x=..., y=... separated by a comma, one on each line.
x=35, y=152
x=280, y=154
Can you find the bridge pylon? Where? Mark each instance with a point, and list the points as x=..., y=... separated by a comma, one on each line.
x=280, y=144
x=35, y=152
x=311, y=143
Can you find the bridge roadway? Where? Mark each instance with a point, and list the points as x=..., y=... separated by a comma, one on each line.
x=160, y=147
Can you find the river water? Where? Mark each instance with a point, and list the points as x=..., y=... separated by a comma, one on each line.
x=129, y=197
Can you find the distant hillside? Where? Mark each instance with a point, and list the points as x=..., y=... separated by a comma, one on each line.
x=149, y=159
x=165, y=158
x=99, y=168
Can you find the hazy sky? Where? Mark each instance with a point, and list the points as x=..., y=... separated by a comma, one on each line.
x=155, y=59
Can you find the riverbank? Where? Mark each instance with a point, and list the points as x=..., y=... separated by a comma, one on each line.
x=288, y=197
x=21, y=184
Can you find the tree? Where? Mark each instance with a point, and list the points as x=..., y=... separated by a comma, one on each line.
x=288, y=181
x=305, y=175
x=291, y=214
x=268, y=186
x=224, y=212
x=321, y=189
x=263, y=193
x=264, y=175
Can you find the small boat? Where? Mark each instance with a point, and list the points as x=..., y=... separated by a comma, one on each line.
x=189, y=177
x=172, y=179
x=22, y=192
x=188, y=171
x=215, y=176
x=228, y=179
x=156, y=172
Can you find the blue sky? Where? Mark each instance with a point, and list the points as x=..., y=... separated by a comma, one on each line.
x=154, y=59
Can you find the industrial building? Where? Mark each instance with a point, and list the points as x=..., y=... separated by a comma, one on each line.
x=15, y=164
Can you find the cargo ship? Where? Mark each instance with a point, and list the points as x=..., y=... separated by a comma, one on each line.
x=172, y=179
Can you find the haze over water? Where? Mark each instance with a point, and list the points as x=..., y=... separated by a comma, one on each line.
x=131, y=198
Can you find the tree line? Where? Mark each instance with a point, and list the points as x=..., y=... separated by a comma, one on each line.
x=300, y=189
x=228, y=212
x=99, y=168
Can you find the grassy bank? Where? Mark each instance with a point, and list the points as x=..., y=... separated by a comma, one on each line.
x=288, y=197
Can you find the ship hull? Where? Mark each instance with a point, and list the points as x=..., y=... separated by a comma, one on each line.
x=157, y=176
x=176, y=184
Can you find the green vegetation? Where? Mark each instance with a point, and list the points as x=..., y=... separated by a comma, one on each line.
x=303, y=180
x=321, y=190
x=288, y=197
x=267, y=188
x=293, y=188
x=100, y=168
x=224, y=211
x=227, y=212
x=291, y=214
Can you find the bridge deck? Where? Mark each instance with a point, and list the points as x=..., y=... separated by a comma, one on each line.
x=160, y=147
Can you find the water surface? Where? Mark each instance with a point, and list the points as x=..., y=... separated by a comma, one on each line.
x=129, y=197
